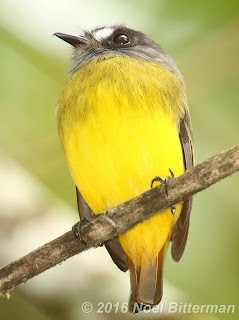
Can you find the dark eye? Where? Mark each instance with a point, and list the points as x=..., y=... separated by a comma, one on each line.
x=121, y=39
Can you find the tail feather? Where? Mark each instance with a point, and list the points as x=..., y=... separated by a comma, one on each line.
x=147, y=283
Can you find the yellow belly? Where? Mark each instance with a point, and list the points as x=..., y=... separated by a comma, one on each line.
x=116, y=150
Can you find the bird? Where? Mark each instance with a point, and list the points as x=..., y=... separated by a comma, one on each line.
x=123, y=119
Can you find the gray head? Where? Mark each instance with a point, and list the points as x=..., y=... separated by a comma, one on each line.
x=116, y=40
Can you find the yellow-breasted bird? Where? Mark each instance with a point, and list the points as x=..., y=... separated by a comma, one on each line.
x=122, y=119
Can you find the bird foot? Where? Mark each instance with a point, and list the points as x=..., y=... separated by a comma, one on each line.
x=165, y=181
x=76, y=229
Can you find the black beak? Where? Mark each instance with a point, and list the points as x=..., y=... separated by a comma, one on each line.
x=74, y=40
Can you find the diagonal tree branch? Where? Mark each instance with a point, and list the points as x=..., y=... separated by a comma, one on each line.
x=119, y=219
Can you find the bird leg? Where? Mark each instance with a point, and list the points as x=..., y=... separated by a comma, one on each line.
x=76, y=229
x=165, y=181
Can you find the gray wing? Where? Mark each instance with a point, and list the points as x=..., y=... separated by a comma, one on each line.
x=113, y=246
x=180, y=229
x=83, y=208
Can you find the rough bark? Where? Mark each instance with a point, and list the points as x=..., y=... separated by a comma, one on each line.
x=120, y=219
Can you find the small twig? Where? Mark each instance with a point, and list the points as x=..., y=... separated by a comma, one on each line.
x=120, y=219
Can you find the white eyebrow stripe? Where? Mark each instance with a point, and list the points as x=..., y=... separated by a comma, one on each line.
x=103, y=33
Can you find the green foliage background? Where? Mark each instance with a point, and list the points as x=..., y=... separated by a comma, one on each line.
x=202, y=36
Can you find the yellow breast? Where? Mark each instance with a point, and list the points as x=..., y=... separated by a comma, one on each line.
x=118, y=123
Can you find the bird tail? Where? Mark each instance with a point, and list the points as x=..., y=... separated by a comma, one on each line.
x=146, y=283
